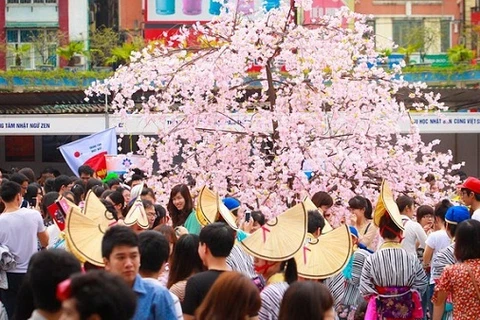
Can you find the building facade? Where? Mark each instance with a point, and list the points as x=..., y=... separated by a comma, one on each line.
x=431, y=25
x=32, y=30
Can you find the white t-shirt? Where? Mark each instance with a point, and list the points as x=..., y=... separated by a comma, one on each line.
x=437, y=240
x=476, y=215
x=413, y=233
x=18, y=231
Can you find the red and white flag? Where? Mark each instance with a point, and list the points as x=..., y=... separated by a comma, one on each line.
x=91, y=151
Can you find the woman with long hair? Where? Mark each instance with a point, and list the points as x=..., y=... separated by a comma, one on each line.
x=362, y=210
x=180, y=208
x=461, y=280
x=185, y=262
x=233, y=296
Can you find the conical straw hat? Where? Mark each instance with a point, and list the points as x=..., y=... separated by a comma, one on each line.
x=95, y=210
x=281, y=237
x=137, y=215
x=386, y=204
x=326, y=255
x=309, y=205
x=84, y=237
x=209, y=206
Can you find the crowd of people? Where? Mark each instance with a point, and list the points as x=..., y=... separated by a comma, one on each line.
x=126, y=256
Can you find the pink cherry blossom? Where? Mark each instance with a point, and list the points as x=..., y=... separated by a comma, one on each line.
x=316, y=96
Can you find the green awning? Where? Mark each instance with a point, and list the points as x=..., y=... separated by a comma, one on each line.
x=32, y=24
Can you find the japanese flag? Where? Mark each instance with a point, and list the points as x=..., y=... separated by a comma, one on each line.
x=91, y=151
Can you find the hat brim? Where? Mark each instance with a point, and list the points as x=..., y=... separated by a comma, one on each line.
x=325, y=256
x=209, y=207
x=84, y=237
x=387, y=205
x=281, y=237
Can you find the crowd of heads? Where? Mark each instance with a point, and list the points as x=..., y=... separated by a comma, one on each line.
x=55, y=282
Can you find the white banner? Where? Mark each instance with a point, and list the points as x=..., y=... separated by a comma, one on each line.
x=450, y=122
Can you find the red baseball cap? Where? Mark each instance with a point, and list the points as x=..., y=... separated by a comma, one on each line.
x=472, y=184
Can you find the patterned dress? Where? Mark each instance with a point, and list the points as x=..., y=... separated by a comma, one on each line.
x=456, y=280
x=443, y=259
x=391, y=276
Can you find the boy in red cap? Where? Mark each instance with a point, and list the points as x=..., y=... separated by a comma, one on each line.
x=471, y=196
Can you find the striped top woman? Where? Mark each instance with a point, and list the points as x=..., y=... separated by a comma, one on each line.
x=392, y=278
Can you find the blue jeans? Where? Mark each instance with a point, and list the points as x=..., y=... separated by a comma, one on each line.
x=427, y=304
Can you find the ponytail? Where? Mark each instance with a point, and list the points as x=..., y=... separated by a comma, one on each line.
x=290, y=270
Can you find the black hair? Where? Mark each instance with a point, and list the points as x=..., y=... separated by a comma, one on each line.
x=45, y=271
x=258, y=216
x=19, y=178
x=147, y=191
x=92, y=182
x=28, y=172
x=440, y=210
x=60, y=181
x=102, y=293
x=425, y=210
x=10, y=190
x=185, y=259
x=98, y=190
x=147, y=203
x=86, y=170
x=113, y=182
x=110, y=208
x=160, y=213
x=315, y=221
x=154, y=250
x=322, y=198
x=430, y=177
x=467, y=240
x=118, y=236
x=49, y=185
x=78, y=191
x=388, y=229
x=117, y=198
x=135, y=177
x=403, y=202
x=219, y=238
x=306, y=300
x=32, y=192
x=359, y=202
x=468, y=192
x=289, y=268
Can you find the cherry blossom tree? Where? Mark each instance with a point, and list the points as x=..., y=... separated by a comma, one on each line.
x=251, y=102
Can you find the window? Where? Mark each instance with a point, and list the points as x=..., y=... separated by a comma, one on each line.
x=29, y=48
x=408, y=32
x=445, y=35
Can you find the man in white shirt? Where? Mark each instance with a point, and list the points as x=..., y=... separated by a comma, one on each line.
x=19, y=230
x=413, y=230
x=471, y=196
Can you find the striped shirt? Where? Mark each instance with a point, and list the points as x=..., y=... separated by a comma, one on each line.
x=352, y=295
x=240, y=261
x=444, y=258
x=392, y=267
x=336, y=285
x=272, y=297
